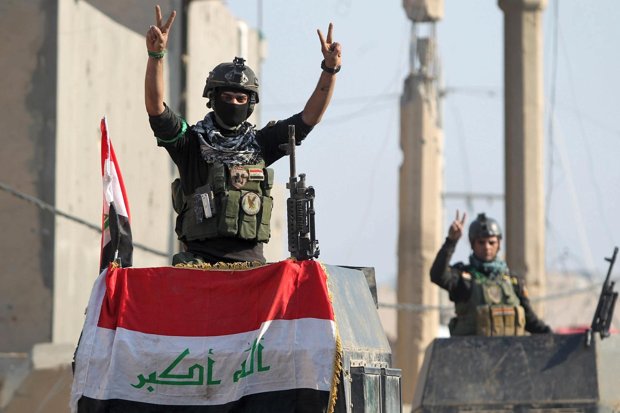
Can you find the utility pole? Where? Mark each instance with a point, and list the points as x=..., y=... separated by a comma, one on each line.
x=420, y=204
x=524, y=172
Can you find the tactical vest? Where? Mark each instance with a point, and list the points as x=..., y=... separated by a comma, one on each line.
x=493, y=309
x=235, y=202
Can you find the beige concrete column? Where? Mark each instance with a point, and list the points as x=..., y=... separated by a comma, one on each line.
x=420, y=215
x=524, y=174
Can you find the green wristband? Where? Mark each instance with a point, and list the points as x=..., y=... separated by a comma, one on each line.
x=157, y=55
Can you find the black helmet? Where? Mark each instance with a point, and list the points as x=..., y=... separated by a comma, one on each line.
x=235, y=75
x=483, y=227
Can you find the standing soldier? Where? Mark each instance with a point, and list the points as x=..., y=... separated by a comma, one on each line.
x=223, y=195
x=488, y=299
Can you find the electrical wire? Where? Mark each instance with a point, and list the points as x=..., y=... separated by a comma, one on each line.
x=572, y=192
x=386, y=96
x=589, y=160
x=466, y=170
x=420, y=308
x=47, y=207
x=478, y=91
x=550, y=129
x=62, y=379
x=365, y=216
x=557, y=144
x=401, y=306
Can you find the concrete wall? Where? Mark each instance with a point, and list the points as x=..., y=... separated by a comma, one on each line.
x=101, y=72
x=78, y=61
x=27, y=115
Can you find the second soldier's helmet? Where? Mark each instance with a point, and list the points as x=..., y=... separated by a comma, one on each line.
x=483, y=227
x=235, y=75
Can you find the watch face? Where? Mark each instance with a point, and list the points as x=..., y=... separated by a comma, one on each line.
x=250, y=203
x=238, y=176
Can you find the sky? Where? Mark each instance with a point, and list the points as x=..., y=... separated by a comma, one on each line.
x=352, y=157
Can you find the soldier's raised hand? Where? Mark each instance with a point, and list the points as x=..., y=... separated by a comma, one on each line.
x=332, y=51
x=157, y=35
x=456, y=228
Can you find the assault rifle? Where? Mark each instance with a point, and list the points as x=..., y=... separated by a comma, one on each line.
x=302, y=242
x=606, y=303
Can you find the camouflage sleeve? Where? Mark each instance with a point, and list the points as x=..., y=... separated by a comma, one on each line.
x=169, y=128
x=275, y=133
x=450, y=278
x=533, y=324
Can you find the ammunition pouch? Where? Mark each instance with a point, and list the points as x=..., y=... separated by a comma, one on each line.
x=219, y=209
x=493, y=309
x=500, y=320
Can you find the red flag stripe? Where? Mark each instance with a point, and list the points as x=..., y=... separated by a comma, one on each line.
x=115, y=242
x=182, y=302
x=105, y=144
x=107, y=152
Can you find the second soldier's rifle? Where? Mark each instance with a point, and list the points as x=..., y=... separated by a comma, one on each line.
x=302, y=242
x=606, y=303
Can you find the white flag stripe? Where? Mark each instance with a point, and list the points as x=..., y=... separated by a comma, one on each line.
x=298, y=354
x=111, y=185
x=88, y=337
x=112, y=190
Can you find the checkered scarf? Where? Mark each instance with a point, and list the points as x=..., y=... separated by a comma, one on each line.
x=239, y=149
x=491, y=269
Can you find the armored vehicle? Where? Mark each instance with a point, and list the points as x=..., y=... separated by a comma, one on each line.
x=539, y=373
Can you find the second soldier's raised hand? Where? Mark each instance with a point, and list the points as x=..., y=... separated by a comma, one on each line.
x=456, y=228
x=332, y=51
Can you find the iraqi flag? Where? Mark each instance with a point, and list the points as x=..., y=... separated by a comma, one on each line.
x=189, y=340
x=116, y=243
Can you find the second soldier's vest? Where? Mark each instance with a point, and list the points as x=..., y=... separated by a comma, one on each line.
x=493, y=308
x=235, y=202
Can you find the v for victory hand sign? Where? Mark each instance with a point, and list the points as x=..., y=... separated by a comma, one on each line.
x=157, y=36
x=331, y=50
x=456, y=228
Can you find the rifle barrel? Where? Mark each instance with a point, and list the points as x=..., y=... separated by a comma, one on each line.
x=291, y=145
x=611, y=262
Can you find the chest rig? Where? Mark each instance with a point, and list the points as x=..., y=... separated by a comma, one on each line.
x=493, y=308
x=235, y=202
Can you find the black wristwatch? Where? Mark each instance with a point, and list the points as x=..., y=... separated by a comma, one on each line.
x=329, y=69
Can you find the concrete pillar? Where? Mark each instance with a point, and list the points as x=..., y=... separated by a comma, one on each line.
x=420, y=214
x=524, y=174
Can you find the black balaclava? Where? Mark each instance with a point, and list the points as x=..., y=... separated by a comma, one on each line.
x=229, y=115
